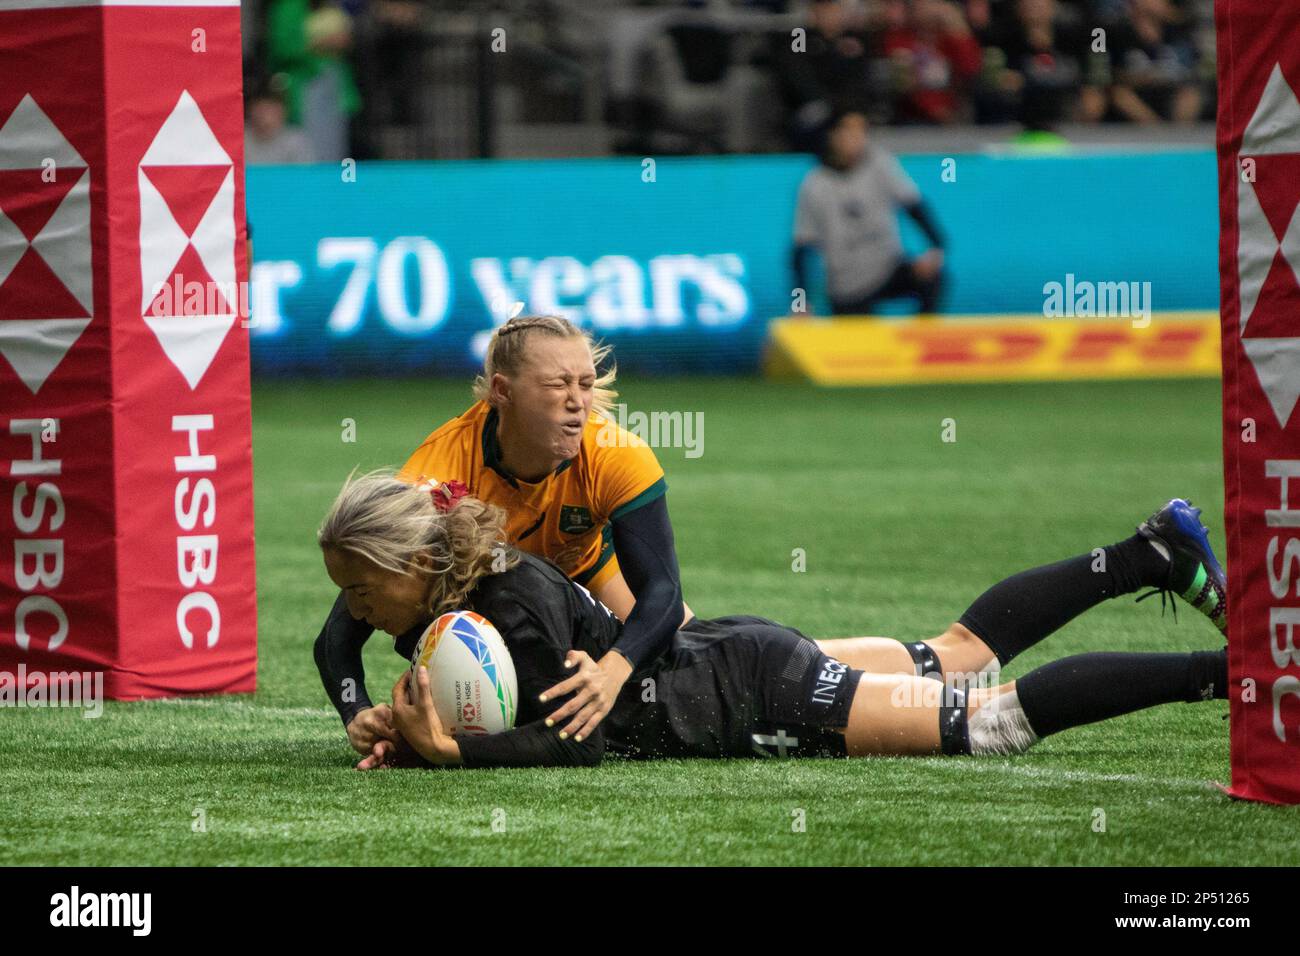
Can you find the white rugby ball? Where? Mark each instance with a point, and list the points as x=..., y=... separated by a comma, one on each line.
x=471, y=675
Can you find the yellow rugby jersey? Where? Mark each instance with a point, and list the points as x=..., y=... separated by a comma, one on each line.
x=566, y=516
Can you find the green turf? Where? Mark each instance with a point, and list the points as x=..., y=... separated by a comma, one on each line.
x=901, y=531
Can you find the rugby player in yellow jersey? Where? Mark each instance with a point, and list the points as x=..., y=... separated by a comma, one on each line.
x=577, y=490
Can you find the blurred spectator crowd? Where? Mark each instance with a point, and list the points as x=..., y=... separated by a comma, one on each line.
x=1036, y=62
x=329, y=79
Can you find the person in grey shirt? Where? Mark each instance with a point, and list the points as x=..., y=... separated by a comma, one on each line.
x=267, y=140
x=847, y=211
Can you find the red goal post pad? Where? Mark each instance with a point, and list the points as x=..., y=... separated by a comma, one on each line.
x=1258, y=143
x=125, y=451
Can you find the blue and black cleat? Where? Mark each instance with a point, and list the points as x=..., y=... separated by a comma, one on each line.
x=1195, y=574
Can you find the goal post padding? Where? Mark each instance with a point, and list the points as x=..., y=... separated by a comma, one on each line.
x=127, y=509
x=1258, y=142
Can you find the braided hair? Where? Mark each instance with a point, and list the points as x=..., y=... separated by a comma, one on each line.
x=391, y=523
x=507, y=353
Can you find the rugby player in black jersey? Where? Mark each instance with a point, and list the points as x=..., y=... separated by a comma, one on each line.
x=742, y=685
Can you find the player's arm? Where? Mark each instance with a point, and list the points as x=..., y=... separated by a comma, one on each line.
x=538, y=649
x=530, y=745
x=338, y=659
x=436, y=459
x=647, y=556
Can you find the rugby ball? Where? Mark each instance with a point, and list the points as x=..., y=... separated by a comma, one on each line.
x=471, y=675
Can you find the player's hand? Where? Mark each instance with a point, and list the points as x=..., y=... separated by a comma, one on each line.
x=417, y=721
x=388, y=754
x=380, y=756
x=369, y=727
x=595, y=687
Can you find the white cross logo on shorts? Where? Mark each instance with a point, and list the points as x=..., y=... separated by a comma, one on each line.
x=780, y=740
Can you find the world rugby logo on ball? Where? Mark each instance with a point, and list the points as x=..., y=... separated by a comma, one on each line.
x=471, y=676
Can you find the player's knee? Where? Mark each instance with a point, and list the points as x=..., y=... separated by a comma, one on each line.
x=962, y=648
x=965, y=649
x=959, y=636
x=997, y=727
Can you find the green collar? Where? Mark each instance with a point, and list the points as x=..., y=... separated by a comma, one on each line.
x=492, y=451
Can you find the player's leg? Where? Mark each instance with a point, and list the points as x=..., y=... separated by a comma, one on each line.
x=1013, y=615
x=905, y=715
x=1170, y=552
x=612, y=591
x=902, y=715
x=958, y=651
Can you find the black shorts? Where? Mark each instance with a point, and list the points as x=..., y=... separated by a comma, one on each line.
x=736, y=686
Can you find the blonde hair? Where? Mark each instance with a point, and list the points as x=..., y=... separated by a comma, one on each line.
x=391, y=523
x=507, y=354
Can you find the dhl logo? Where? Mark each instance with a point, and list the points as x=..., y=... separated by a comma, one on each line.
x=870, y=351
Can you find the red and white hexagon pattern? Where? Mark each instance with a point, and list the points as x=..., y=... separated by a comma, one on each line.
x=125, y=453
x=187, y=239
x=45, y=277
x=1259, y=260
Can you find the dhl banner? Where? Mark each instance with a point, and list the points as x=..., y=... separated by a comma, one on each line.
x=874, y=351
x=125, y=458
x=1258, y=142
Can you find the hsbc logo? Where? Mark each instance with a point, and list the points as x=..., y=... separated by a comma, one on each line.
x=45, y=276
x=187, y=235
x=187, y=238
x=1268, y=244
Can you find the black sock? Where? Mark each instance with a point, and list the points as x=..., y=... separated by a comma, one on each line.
x=1090, y=687
x=1017, y=613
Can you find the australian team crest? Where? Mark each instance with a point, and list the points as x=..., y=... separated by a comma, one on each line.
x=575, y=519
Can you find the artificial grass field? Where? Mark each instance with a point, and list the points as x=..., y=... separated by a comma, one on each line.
x=901, y=532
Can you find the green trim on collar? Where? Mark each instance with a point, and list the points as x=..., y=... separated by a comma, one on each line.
x=647, y=496
x=492, y=448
